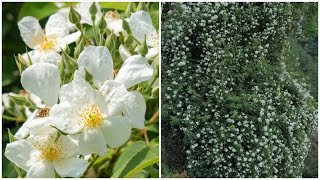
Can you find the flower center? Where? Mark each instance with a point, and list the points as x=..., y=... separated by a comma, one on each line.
x=43, y=112
x=51, y=153
x=112, y=16
x=91, y=116
x=48, y=43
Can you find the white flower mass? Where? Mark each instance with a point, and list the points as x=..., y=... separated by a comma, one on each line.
x=241, y=113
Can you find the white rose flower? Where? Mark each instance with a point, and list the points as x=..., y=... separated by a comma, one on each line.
x=97, y=114
x=46, y=43
x=92, y=113
x=43, y=156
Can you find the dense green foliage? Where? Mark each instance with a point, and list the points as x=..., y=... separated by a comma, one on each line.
x=227, y=89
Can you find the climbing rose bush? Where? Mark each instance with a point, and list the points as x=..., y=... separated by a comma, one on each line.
x=227, y=90
x=88, y=98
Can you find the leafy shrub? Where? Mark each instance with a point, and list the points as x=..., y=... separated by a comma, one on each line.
x=227, y=88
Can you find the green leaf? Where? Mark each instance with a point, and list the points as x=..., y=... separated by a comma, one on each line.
x=153, y=128
x=114, y=5
x=142, y=7
x=154, y=173
x=37, y=10
x=133, y=156
x=11, y=137
x=23, y=101
x=154, y=12
x=155, y=140
x=142, y=166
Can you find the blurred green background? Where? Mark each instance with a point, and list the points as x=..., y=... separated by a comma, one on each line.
x=12, y=44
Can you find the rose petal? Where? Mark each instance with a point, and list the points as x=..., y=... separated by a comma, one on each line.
x=21, y=153
x=57, y=26
x=72, y=167
x=116, y=130
x=41, y=169
x=92, y=141
x=43, y=80
x=31, y=31
x=134, y=70
x=98, y=61
x=135, y=109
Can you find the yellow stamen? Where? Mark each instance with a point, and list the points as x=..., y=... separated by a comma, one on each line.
x=91, y=116
x=43, y=112
x=51, y=152
x=48, y=43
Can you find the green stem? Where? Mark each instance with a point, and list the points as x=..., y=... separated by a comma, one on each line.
x=153, y=119
x=12, y=118
x=10, y=112
x=150, y=86
x=145, y=134
x=95, y=33
x=101, y=42
x=85, y=37
x=136, y=40
x=94, y=158
x=18, y=171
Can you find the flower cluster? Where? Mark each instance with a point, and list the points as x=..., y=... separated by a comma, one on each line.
x=227, y=90
x=90, y=97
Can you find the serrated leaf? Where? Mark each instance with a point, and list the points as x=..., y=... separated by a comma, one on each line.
x=134, y=155
x=37, y=10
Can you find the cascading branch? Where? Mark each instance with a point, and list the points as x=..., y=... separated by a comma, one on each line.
x=90, y=96
x=226, y=87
